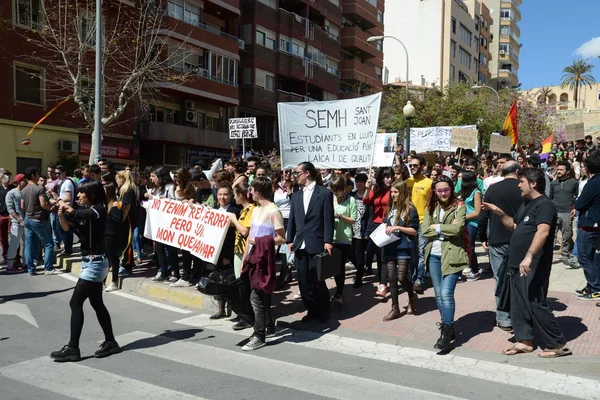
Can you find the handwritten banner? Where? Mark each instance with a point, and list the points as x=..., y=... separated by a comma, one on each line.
x=574, y=132
x=329, y=134
x=435, y=138
x=463, y=138
x=500, y=144
x=243, y=128
x=200, y=230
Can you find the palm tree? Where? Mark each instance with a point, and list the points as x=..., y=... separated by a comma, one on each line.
x=544, y=95
x=576, y=76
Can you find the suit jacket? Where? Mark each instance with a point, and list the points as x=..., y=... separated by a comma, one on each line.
x=315, y=228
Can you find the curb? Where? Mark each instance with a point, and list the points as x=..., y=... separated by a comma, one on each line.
x=144, y=287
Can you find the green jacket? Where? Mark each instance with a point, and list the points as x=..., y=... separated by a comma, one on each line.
x=454, y=255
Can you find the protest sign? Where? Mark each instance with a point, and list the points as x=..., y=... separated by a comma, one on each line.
x=242, y=128
x=329, y=134
x=385, y=143
x=574, y=132
x=500, y=144
x=200, y=230
x=463, y=138
x=436, y=138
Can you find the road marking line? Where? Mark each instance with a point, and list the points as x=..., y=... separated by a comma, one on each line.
x=284, y=374
x=468, y=367
x=136, y=298
x=85, y=383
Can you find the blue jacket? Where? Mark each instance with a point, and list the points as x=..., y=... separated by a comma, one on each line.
x=406, y=242
x=588, y=204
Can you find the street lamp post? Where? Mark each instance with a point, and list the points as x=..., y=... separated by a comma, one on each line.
x=95, y=151
x=475, y=87
x=409, y=109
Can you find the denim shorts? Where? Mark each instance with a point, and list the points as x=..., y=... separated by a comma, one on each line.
x=94, y=271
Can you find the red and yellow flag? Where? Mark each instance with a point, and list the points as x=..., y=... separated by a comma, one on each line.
x=510, y=124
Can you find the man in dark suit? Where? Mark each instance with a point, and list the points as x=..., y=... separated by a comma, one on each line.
x=310, y=232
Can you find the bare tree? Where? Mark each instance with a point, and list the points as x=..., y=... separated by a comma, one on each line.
x=137, y=53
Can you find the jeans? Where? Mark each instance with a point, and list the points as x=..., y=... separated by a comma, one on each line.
x=261, y=304
x=36, y=231
x=16, y=240
x=443, y=286
x=589, y=258
x=473, y=264
x=565, y=225
x=55, y=225
x=67, y=238
x=137, y=242
x=496, y=256
x=4, y=223
x=419, y=262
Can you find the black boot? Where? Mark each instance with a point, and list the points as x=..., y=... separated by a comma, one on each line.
x=358, y=278
x=66, y=354
x=221, y=313
x=447, y=335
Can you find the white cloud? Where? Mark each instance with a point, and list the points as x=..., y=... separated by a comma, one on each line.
x=591, y=48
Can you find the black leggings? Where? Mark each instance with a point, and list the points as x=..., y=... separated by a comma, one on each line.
x=113, y=247
x=341, y=277
x=93, y=291
x=399, y=270
x=163, y=262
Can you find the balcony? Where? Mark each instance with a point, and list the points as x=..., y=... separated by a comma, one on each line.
x=362, y=13
x=355, y=40
x=510, y=39
x=514, y=8
x=514, y=28
x=510, y=58
x=164, y=132
x=197, y=33
x=354, y=70
x=508, y=77
x=516, y=3
x=265, y=100
x=327, y=42
x=324, y=7
x=225, y=9
x=210, y=88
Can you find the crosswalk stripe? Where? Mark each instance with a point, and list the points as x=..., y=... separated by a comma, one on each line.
x=85, y=383
x=306, y=379
x=529, y=378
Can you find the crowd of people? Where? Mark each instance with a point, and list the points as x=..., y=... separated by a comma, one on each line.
x=433, y=214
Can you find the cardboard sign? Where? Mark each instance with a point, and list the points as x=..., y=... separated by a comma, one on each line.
x=500, y=144
x=574, y=132
x=464, y=138
x=329, y=134
x=436, y=138
x=243, y=128
x=200, y=230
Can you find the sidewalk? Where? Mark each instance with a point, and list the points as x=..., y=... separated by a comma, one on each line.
x=362, y=312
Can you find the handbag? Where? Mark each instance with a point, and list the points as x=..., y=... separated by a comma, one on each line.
x=218, y=283
x=503, y=289
x=328, y=265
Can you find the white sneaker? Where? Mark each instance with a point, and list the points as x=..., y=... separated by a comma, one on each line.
x=349, y=265
x=172, y=279
x=181, y=283
x=53, y=271
x=111, y=287
x=297, y=296
x=466, y=271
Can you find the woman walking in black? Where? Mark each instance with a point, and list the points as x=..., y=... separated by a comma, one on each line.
x=90, y=225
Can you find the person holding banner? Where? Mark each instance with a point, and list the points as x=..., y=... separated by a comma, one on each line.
x=445, y=255
x=402, y=219
x=310, y=233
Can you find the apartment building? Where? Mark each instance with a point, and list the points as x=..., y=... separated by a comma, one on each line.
x=563, y=99
x=506, y=46
x=483, y=25
x=306, y=50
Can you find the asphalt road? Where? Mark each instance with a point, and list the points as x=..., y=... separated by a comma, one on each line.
x=172, y=353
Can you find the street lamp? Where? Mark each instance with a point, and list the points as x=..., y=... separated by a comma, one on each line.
x=409, y=114
x=377, y=38
x=475, y=87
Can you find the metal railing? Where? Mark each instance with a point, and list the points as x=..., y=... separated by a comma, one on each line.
x=204, y=26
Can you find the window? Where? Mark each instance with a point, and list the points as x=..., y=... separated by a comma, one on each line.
x=285, y=44
x=482, y=78
x=452, y=73
x=333, y=66
x=270, y=81
x=378, y=73
x=329, y=96
x=466, y=35
x=380, y=16
x=598, y=95
x=29, y=86
x=483, y=59
x=452, y=48
x=270, y=3
x=87, y=27
x=336, y=2
x=185, y=12
x=223, y=69
x=453, y=25
x=462, y=77
x=28, y=13
x=504, y=48
x=505, y=13
x=333, y=30
x=465, y=57
x=379, y=45
x=297, y=48
x=316, y=56
x=265, y=37
x=505, y=30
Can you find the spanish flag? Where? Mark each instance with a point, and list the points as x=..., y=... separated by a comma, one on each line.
x=510, y=124
x=546, y=147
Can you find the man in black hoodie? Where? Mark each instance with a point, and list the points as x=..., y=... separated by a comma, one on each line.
x=507, y=196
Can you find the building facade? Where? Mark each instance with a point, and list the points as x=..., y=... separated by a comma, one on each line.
x=303, y=50
x=563, y=99
x=506, y=46
x=442, y=39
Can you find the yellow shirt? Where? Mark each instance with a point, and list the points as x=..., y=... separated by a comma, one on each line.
x=419, y=189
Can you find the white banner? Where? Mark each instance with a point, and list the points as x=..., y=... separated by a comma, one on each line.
x=435, y=138
x=199, y=229
x=385, y=143
x=243, y=128
x=329, y=134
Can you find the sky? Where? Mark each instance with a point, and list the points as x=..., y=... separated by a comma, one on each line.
x=553, y=34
